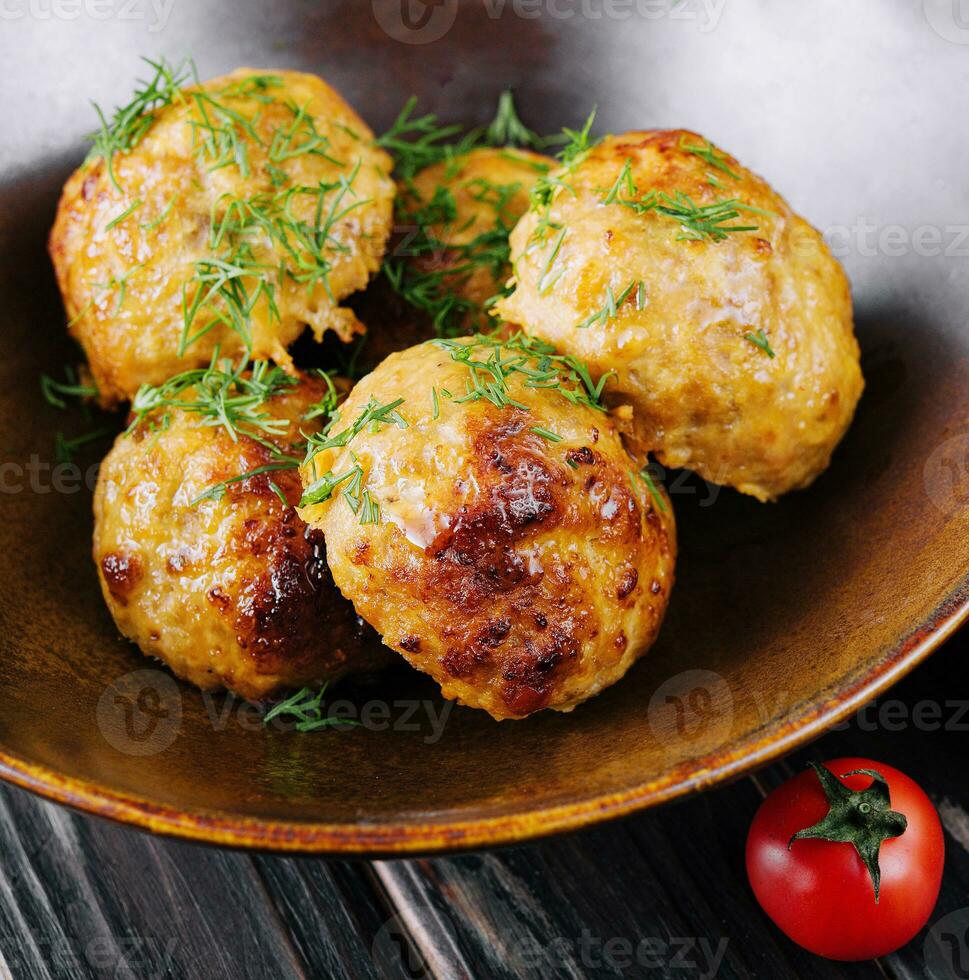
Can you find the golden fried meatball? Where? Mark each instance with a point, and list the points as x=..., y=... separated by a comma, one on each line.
x=231, y=590
x=724, y=315
x=453, y=220
x=250, y=206
x=483, y=516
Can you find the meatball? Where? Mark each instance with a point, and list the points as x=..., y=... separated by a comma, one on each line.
x=249, y=207
x=481, y=513
x=723, y=313
x=453, y=221
x=230, y=590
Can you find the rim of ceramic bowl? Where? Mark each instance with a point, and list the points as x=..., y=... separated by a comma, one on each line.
x=366, y=839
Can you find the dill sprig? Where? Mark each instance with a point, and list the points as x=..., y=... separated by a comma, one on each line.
x=434, y=291
x=698, y=222
x=646, y=476
x=710, y=154
x=576, y=146
x=218, y=490
x=131, y=122
x=65, y=448
x=223, y=394
x=529, y=360
x=610, y=308
x=55, y=392
x=507, y=129
x=322, y=488
x=227, y=285
x=417, y=142
x=306, y=709
x=759, y=339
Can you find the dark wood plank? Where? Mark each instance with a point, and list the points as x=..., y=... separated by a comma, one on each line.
x=341, y=922
x=81, y=897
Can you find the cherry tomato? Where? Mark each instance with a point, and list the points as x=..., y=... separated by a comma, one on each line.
x=818, y=889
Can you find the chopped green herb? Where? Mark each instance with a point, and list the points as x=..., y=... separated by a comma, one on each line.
x=527, y=358
x=760, y=340
x=545, y=433
x=306, y=709
x=124, y=214
x=130, y=122
x=610, y=309
x=55, y=392
x=218, y=490
x=710, y=154
x=507, y=129
x=647, y=478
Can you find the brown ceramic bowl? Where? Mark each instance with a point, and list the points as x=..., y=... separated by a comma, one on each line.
x=785, y=618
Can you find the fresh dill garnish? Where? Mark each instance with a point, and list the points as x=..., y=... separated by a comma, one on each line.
x=533, y=362
x=369, y=511
x=416, y=142
x=544, y=284
x=322, y=488
x=623, y=181
x=55, y=392
x=706, y=222
x=119, y=283
x=577, y=144
x=610, y=309
x=227, y=286
x=759, y=339
x=507, y=129
x=299, y=138
x=220, y=133
x=222, y=394
x=306, y=709
x=647, y=478
x=166, y=211
x=218, y=490
x=124, y=214
x=327, y=405
x=710, y=154
x=64, y=448
x=641, y=295
x=415, y=270
x=546, y=433
x=130, y=122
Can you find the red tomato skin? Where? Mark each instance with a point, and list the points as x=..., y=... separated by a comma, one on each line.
x=820, y=894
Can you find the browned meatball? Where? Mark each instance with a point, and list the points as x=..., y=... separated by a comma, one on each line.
x=250, y=206
x=723, y=313
x=230, y=590
x=483, y=516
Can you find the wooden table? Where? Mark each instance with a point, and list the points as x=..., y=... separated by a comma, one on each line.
x=660, y=895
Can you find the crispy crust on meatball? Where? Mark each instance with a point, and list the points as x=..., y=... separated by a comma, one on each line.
x=457, y=215
x=515, y=557
x=239, y=172
x=738, y=355
x=232, y=592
